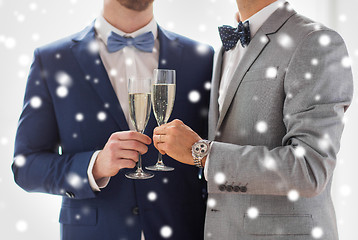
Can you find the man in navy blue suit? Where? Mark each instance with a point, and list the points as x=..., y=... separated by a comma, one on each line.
x=74, y=137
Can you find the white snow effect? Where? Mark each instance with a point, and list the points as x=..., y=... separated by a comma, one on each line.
x=285, y=40
x=87, y=77
x=252, y=212
x=324, y=40
x=324, y=143
x=152, y=196
x=202, y=28
x=289, y=95
x=58, y=56
x=317, y=232
x=96, y=80
x=75, y=135
x=113, y=72
x=345, y=190
x=211, y=202
x=210, y=234
x=270, y=163
x=35, y=37
x=78, y=217
x=166, y=232
x=170, y=25
x=35, y=102
x=106, y=105
x=308, y=76
x=130, y=221
x=93, y=47
x=63, y=79
x=165, y=180
x=4, y=141
x=255, y=98
x=194, y=96
x=24, y=60
x=219, y=178
x=314, y=61
x=33, y=6
x=79, y=117
x=10, y=42
x=164, y=61
x=271, y=72
x=98, y=61
x=261, y=127
x=300, y=151
x=129, y=61
x=21, y=226
x=74, y=180
x=207, y=85
x=346, y=62
x=202, y=49
x=20, y=17
x=342, y=18
x=20, y=160
x=293, y=195
x=263, y=39
x=317, y=97
x=62, y=91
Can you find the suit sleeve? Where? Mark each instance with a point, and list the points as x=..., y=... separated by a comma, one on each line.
x=313, y=116
x=38, y=166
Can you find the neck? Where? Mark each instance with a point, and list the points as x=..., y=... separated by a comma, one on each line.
x=125, y=19
x=247, y=8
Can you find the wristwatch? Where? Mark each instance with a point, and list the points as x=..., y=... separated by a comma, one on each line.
x=199, y=150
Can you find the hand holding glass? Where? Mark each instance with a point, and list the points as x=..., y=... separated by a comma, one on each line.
x=139, y=91
x=163, y=96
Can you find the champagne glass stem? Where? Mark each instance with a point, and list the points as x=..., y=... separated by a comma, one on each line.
x=139, y=164
x=160, y=159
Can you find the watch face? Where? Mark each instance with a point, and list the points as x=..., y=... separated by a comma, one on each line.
x=200, y=149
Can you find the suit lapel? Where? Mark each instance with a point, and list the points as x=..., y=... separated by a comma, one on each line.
x=92, y=66
x=214, y=94
x=257, y=45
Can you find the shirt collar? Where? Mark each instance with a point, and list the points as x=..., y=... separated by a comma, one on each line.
x=104, y=28
x=259, y=18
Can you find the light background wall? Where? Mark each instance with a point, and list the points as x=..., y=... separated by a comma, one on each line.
x=27, y=24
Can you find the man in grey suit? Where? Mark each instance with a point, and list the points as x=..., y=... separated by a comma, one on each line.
x=276, y=117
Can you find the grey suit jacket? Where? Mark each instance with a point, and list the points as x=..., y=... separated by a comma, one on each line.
x=276, y=139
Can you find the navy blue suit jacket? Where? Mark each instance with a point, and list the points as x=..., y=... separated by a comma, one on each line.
x=122, y=209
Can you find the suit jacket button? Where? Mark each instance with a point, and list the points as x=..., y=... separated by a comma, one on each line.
x=70, y=194
x=236, y=189
x=222, y=188
x=229, y=188
x=135, y=210
x=243, y=189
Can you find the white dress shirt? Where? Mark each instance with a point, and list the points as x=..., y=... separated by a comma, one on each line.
x=120, y=66
x=232, y=58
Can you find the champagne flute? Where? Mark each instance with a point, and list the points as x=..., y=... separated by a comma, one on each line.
x=139, y=107
x=163, y=96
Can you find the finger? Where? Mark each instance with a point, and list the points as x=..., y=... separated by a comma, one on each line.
x=133, y=145
x=161, y=130
x=128, y=154
x=132, y=135
x=161, y=147
x=126, y=163
x=159, y=138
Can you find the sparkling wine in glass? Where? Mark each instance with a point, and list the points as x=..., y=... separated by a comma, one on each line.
x=139, y=91
x=163, y=96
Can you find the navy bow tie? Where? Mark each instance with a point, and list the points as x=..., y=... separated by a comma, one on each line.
x=230, y=36
x=144, y=42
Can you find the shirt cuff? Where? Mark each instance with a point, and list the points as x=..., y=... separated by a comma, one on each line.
x=207, y=163
x=100, y=183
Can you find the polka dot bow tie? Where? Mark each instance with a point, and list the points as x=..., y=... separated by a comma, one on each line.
x=144, y=42
x=230, y=36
